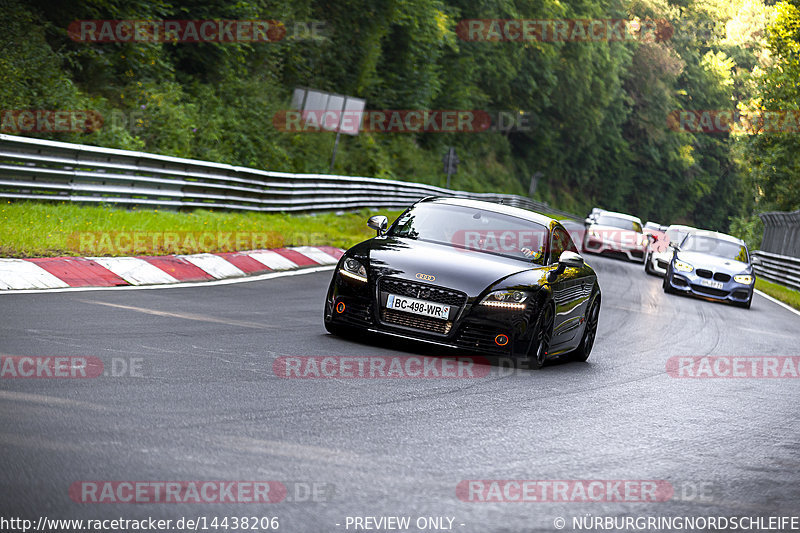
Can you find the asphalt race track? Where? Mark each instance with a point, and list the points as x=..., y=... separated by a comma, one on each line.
x=190, y=394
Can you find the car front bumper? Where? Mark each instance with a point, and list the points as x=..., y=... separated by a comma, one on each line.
x=471, y=327
x=600, y=245
x=691, y=283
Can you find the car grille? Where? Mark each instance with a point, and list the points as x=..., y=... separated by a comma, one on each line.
x=411, y=320
x=476, y=337
x=423, y=291
x=710, y=291
x=719, y=276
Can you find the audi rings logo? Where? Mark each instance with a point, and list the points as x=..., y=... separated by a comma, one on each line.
x=426, y=277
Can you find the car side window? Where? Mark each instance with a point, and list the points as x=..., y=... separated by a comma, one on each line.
x=569, y=244
x=560, y=242
x=556, y=246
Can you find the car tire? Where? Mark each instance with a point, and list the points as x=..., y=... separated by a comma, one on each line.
x=581, y=353
x=665, y=284
x=647, y=267
x=542, y=337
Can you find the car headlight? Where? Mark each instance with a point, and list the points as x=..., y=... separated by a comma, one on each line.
x=683, y=267
x=745, y=279
x=354, y=270
x=505, y=299
x=642, y=240
x=594, y=233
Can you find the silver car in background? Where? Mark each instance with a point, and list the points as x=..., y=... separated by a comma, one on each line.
x=618, y=234
x=712, y=265
x=659, y=252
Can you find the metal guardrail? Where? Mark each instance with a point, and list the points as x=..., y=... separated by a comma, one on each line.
x=781, y=233
x=36, y=169
x=777, y=268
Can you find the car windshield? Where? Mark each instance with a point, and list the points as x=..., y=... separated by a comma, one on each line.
x=474, y=230
x=676, y=235
x=619, y=222
x=717, y=247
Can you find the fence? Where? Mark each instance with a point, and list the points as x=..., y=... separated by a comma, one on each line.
x=781, y=233
x=777, y=268
x=779, y=257
x=36, y=169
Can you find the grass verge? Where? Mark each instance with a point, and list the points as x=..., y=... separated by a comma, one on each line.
x=779, y=292
x=33, y=229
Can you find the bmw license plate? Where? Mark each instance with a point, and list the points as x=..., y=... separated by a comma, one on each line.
x=711, y=283
x=418, y=307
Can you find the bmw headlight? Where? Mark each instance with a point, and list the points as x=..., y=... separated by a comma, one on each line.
x=594, y=233
x=743, y=279
x=354, y=270
x=683, y=267
x=505, y=299
x=642, y=240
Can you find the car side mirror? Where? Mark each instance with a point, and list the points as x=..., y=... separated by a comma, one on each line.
x=567, y=260
x=588, y=222
x=570, y=260
x=652, y=238
x=379, y=223
x=674, y=245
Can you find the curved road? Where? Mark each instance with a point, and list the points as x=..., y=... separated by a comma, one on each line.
x=203, y=403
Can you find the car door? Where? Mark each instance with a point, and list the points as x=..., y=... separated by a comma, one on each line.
x=569, y=291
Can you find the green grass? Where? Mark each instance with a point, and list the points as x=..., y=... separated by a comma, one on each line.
x=32, y=229
x=779, y=292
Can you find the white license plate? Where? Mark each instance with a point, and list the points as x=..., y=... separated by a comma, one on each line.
x=711, y=283
x=418, y=307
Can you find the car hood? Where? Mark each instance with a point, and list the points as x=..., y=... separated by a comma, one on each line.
x=612, y=233
x=713, y=262
x=452, y=267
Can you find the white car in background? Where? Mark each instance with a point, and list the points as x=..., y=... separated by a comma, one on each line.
x=659, y=252
x=617, y=234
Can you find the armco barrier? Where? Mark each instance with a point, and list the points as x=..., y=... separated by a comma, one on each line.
x=777, y=268
x=781, y=233
x=43, y=170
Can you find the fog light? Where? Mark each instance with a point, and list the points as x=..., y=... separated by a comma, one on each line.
x=501, y=340
x=340, y=307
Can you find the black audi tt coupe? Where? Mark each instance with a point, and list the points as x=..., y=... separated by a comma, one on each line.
x=469, y=275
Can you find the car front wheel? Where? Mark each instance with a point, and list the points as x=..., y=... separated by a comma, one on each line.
x=583, y=350
x=541, y=341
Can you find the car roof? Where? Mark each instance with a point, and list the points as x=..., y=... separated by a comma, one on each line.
x=622, y=215
x=718, y=235
x=491, y=206
x=681, y=227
